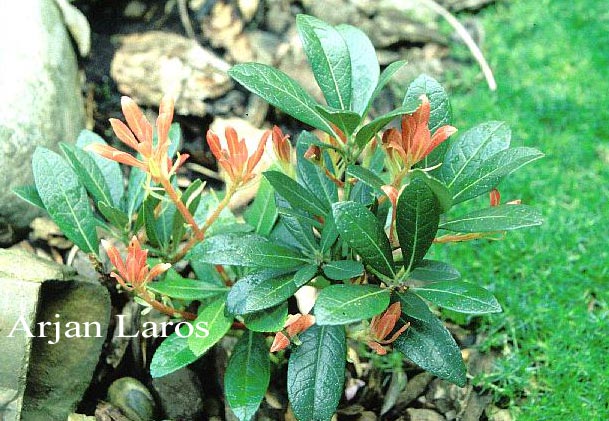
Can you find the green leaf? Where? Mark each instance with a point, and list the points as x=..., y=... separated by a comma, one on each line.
x=342, y=304
x=206, y=272
x=364, y=66
x=316, y=373
x=432, y=270
x=384, y=78
x=302, y=230
x=305, y=274
x=115, y=216
x=342, y=270
x=150, y=221
x=217, y=323
x=429, y=344
x=247, y=375
x=346, y=121
x=172, y=354
x=30, y=195
x=268, y=320
x=262, y=213
x=246, y=250
x=440, y=112
x=496, y=218
x=364, y=234
x=65, y=198
x=463, y=297
x=226, y=222
x=296, y=195
x=261, y=290
x=367, y=177
x=111, y=170
x=136, y=191
x=175, y=286
x=467, y=153
x=329, y=57
x=279, y=90
x=329, y=234
x=417, y=218
x=488, y=175
x=311, y=176
x=88, y=172
x=444, y=196
x=367, y=132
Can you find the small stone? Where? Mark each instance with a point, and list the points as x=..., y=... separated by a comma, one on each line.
x=248, y=8
x=423, y=415
x=80, y=417
x=180, y=395
x=149, y=65
x=414, y=388
x=135, y=9
x=475, y=406
x=497, y=414
x=367, y=416
x=132, y=398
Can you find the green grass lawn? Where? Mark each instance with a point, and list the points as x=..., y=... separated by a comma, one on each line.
x=551, y=62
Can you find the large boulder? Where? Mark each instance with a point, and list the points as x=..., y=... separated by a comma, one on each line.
x=40, y=97
x=42, y=378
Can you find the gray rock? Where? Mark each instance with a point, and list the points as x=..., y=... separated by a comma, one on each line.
x=57, y=373
x=40, y=98
x=132, y=398
x=423, y=415
x=148, y=65
x=180, y=395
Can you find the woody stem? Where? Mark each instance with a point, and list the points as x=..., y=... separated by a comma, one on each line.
x=173, y=195
x=170, y=311
x=200, y=232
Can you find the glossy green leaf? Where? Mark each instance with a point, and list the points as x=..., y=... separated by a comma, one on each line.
x=316, y=373
x=206, y=272
x=367, y=132
x=384, y=78
x=65, y=199
x=342, y=270
x=226, y=222
x=329, y=57
x=417, y=219
x=268, y=320
x=440, y=114
x=279, y=90
x=296, y=195
x=115, y=216
x=111, y=170
x=305, y=274
x=329, y=234
x=261, y=290
x=88, y=172
x=490, y=173
x=364, y=234
x=466, y=154
x=150, y=221
x=364, y=66
x=30, y=195
x=432, y=270
x=249, y=250
x=428, y=343
x=262, y=213
x=311, y=176
x=175, y=286
x=247, y=375
x=367, y=177
x=496, y=218
x=438, y=188
x=463, y=297
x=136, y=191
x=342, y=304
x=213, y=318
x=302, y=230
x=172, y=354
x=346, y=121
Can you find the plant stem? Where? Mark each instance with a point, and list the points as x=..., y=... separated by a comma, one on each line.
x=173, y=195
x=170, y=311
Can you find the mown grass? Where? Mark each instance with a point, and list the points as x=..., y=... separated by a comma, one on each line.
x=551, y=61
